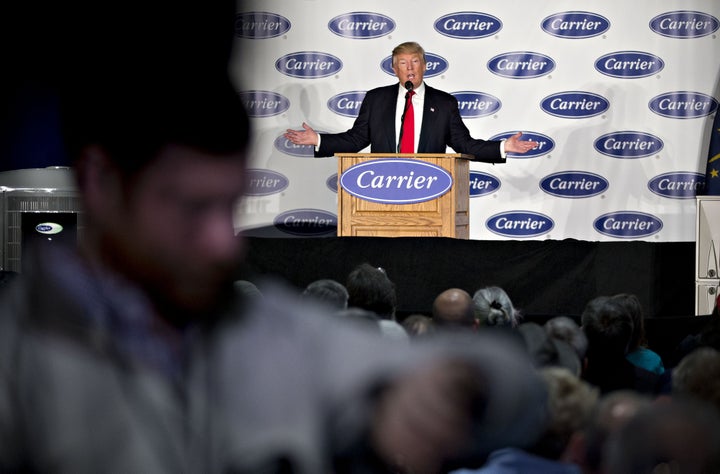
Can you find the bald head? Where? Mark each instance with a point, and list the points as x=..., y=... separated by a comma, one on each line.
x=454, y=307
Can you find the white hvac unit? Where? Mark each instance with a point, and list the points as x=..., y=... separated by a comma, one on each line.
x=707, y=251
x=38, y=206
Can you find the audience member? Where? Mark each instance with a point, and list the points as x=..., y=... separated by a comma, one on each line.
x=546, y=351
x=608, y=328
x=393, y=330
x=370, y=288
x=698, y=376
x=418, y=325
x=329, y=292
x=675, y=436
x=638, y=352
x=566, y=329
x=571, y=404
x=247, y=289
x=494, y=308
x=454, y=308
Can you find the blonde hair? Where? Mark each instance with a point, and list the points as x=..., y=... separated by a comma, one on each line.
x=409, y=47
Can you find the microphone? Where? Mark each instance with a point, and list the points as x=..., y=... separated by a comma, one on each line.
x=409, y=86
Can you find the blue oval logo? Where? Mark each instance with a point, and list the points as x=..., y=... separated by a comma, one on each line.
x=628, y=144
x=306, y=222
x=346, y=104
x=361, y=25
x=284, y=145
x=521, y=65
x=545, y=144
x=476, y=104
x=309, y=64
x=482, y=184
x=575, y=104
x=332, y=183
x=519, y=224
x=468, y=25
x=261, y=182
x=679, y=185
x=260, y=25
x=629, y=64
x=574, y=184
x=396, y=181
x=627, y=224
x=575, y=25
x=435, y=65
x=49, y=228
x=684, y=24
x=683, y=105
x=264, y=103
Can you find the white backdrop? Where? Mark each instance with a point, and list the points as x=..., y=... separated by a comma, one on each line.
x=601, y=50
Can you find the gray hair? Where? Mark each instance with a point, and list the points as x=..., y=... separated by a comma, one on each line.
x=494, y=308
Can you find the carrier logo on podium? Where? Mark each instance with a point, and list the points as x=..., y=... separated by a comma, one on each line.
x=396, y=181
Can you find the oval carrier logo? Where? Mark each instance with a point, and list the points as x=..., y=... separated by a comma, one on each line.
x=264, y=103
x=520, y=224
x=476, y=104
x=361, y=25
x=679, y=185
x=48, y=228
x=575, y=25
x=284, y=145
x=545, y=144
x=308, y=64
x=396, y=181
x=684, y=24
x=306, y=222
x=627, y=224
x=468, y=25
x=521, y=65
x=574, y=184
x=683, y=105
x=575, y=104
x=482, y=184
x=628, y=144
x=347, y=104
x=262, y=182
x=332, y=183
x=629, y=64
x=260, y=25
x=435, y=66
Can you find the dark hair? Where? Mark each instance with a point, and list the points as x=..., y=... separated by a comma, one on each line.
x=634, y=309
x=608, y=327
x=370, y=288
x=327, y=291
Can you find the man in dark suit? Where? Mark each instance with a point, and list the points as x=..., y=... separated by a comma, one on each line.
x=437, y=120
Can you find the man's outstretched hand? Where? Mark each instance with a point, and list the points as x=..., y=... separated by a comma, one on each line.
x=515, y=145
x=307, y=136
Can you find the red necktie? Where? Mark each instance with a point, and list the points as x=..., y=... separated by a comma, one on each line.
x=407, y=144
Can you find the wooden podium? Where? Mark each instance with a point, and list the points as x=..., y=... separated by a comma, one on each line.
x=443, y=216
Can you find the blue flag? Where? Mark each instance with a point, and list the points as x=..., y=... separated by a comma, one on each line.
x=712, y=174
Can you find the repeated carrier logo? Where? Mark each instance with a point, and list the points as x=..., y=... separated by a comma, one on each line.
x=628, y=144
x=435, y=66
x=264, y=182
x=396, y=181
x=519, y=224
x=474, y=104
x=574, y=184
x=677, y=185
x=48, y=228
x=629, y=64
x=521, y=65
x=468, y=25
x=361, y=25
x=347, y=104
x=309, y=64
x=627, y=224
x=683, y=105
x=575, y=25
x=284, y=145
x=684, y=24
x=575, y=104
x=264, y=103
x=544, y=146
x=260, y=25
x=306, y=222
x=482, y=184
x=332, y=182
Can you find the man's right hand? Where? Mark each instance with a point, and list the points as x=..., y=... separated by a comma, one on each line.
x=308, y=136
